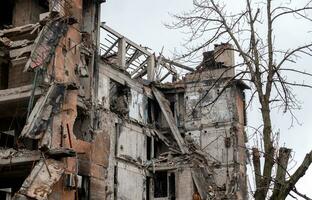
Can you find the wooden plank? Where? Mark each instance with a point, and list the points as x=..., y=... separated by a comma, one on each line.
x=165, y=108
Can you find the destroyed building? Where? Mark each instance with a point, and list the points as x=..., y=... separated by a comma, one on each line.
x=86, y=113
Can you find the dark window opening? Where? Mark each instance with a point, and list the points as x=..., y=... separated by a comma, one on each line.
x=148, y=185
x=82, y=126
x=160, y=184
x=159, y=148
x=6, y=13
x=12, y=177
x=4, y=76
x=44, y=4
x=84, y=190
x=157, y=115
x=172, y=108
x=172, y=195
x=10, y=129
x=5, y=194
x=7, y=139
x=149, y=148
x=115, y=182
x=150, y=112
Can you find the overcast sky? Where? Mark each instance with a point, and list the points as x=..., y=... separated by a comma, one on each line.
x=142, y=22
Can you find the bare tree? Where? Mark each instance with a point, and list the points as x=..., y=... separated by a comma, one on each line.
x=264, y=65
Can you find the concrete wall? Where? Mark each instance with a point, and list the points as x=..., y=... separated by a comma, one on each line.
x=184, y=184
x=130, y=182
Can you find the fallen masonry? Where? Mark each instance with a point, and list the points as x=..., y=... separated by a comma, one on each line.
x=86, y=113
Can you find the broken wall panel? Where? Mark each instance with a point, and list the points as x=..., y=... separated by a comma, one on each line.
x=138, y=107
x=219, y=144
x=130, y=182
x=132, y=143
x=184, y=184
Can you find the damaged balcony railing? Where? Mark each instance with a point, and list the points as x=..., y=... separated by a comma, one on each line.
x=134, y=58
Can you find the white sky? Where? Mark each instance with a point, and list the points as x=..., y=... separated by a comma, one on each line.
x=142, y=22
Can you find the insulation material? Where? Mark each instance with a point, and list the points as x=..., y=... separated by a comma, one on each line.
x=138, y=107
x=40, y=182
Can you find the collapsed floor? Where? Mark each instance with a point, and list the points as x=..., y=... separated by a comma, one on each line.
x=90, y=117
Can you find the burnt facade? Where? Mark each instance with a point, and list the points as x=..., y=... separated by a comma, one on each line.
x=86, y=113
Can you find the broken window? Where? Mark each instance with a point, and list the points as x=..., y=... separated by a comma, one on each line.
x=160, y=185
x=149, y=148
x=164, y=185
x=6, y=13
